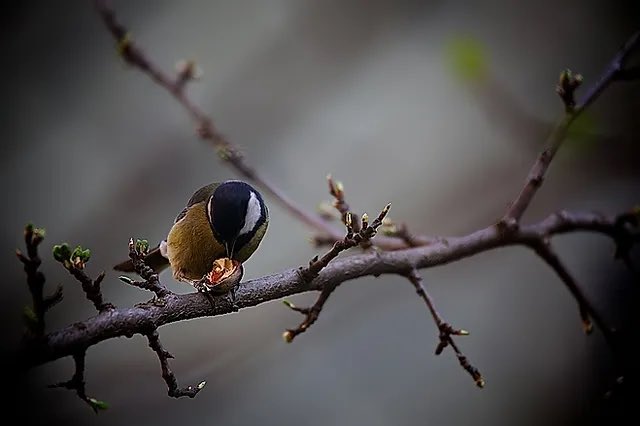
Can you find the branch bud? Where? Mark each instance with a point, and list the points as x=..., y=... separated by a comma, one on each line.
x=365, y=221
x=287, y=336
x=61, y=252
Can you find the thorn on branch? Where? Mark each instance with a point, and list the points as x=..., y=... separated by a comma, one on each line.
x=446, y=331
x=75, y=262
x=34, y=316
x=168, y=376
x=78, y=384
x=566, y=87
x=138, y=249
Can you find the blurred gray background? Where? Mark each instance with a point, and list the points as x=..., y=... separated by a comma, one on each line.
x=372, y=92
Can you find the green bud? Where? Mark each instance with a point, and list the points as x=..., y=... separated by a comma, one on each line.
x=61, y=252
x=142, y=246
x=97, y=404
x=82, y=254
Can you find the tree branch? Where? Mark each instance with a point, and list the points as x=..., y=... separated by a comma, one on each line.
x=168, y=376
x=34, y=316
x=445, y=329
x=353, y=238
x=138, y=320
x=559, y=133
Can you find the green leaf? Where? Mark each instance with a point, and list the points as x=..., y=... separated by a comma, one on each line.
x=467, y=59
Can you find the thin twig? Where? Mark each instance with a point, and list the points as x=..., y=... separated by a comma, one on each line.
x=366, y=233
x=168, y=376
x=78, y=384
x=587, y=310
x=151, y=280
x=311, y=313
x=446, y=331
x=557, y=136
x=75, y=262
x=92, y=289
x=35, y=280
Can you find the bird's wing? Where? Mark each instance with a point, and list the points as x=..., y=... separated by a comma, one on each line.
x=200, y=196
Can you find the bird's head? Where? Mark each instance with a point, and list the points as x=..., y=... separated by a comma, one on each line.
x=235, y=211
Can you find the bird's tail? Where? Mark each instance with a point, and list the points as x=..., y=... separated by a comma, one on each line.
x=154, y=259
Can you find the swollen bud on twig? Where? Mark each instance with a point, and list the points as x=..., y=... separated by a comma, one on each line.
x=365, y=221
x=287, y=336
x=566, y=87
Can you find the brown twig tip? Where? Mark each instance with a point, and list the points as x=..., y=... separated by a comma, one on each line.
x=566, y=87
x=172, y=383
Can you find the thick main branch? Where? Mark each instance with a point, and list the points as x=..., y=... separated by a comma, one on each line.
x=138, y=320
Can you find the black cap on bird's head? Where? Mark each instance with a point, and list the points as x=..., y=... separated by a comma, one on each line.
x=235, y=211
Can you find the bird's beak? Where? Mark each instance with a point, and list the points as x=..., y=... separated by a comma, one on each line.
x=230, y=248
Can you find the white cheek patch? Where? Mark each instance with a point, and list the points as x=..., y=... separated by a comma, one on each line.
x=163, y=249
x=209, y=212
x=254, y=211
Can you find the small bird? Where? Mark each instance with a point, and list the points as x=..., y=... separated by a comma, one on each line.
x=220, y=220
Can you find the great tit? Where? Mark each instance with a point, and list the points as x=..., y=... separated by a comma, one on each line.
x=225, y=219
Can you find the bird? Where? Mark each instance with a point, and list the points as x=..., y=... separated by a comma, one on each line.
x=221, y=219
